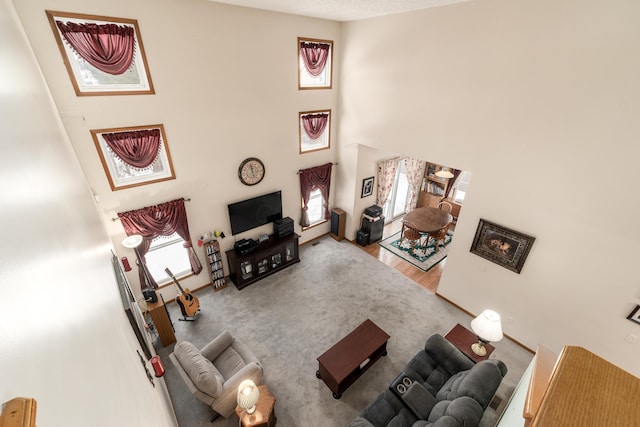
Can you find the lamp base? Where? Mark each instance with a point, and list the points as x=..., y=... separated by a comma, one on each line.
x=251, y=410
x=479, y=349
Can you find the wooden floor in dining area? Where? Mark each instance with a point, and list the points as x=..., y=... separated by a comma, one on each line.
x=427, y=279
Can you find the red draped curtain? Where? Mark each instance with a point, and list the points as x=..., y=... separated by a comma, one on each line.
x=316, y=178
x=108, y=47
x=315, y=124
x=314, y=56
x=160, y=220
x=136, y=148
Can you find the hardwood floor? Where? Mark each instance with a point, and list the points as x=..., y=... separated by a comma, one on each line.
x=428, y=280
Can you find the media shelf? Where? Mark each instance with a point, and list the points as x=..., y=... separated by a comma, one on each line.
x=271, y=256
x=214, y=258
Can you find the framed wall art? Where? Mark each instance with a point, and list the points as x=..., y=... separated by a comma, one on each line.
x=502, y=245
x=134, y=156
x=103, y=55
x=315, y=63
x=315, y=130
x=367, y=187
x=634, y=316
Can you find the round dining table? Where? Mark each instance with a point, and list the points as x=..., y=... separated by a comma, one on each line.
x=428, y=220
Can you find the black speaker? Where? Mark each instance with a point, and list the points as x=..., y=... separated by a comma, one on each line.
x=362, y=238
x=338, y=222
x=282, y=227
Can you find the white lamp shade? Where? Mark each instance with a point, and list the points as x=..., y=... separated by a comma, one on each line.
x=132, y=241
x=248, y=395
x=444, y=174
x=487, y=326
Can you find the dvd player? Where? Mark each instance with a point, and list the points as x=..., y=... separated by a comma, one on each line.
x=245, y=246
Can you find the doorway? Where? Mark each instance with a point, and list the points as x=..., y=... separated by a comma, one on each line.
x=395, y=205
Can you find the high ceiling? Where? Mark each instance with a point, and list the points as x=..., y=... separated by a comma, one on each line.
x=340, y=10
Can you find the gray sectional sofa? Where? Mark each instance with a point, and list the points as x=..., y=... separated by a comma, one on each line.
x=439, y=387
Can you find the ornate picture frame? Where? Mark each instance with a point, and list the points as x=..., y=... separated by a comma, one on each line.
x=315, y=130
x=501, y=245
x=634, y=316
x=120, y=172
x=315, y=63
x=97, y=69
x=367, y=187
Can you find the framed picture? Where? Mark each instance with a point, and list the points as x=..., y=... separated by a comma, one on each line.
x=505, y=247
x=103, y=55
x=315, y=130
x=634, y=316
x=367, y=187
x=315, y=63
x=134, y=156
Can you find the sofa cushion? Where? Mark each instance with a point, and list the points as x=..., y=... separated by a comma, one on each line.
x=388, y=410
x=229, y=362
x=463, y=411
x=479, y=383
x=203, y=374
x=419, y=400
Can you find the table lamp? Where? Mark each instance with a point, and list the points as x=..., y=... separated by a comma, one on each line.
x=248, y=395
x=488, y=328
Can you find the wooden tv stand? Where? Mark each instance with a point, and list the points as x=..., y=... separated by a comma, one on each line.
x=271, y=256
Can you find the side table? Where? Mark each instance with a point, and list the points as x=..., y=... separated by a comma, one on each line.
x=264, y=415
x=462, y=338
x=162, y=322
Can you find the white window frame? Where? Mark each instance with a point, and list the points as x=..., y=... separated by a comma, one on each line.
x=162, y=249
x=463, y=182
x=316, y=197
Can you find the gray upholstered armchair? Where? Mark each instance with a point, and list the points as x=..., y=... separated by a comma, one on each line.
x=214, y=373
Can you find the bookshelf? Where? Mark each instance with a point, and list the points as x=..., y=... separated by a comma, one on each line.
x=433, y=188
x=214, y=259
x=433, y=184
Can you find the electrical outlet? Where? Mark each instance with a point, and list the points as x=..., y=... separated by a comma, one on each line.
x=509, y=320
x=631, y=339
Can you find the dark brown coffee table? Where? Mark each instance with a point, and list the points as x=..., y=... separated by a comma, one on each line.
x=343, y=363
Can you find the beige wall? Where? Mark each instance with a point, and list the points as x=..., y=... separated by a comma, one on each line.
x=539, y=100
x=226, y=89
x=65, y=338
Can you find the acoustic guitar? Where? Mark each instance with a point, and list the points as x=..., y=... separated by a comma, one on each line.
x=189, y=304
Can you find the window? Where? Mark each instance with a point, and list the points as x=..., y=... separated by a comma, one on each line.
x=461, y=188
x=116, y=64
x=315, y=208
x=167, y=252
x=395, y=205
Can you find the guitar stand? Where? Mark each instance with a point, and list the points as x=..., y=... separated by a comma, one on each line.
x=189, y=319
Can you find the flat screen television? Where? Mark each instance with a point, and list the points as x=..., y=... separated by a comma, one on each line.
x=254, y=212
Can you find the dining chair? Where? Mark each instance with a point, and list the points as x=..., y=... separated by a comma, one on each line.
x=438, y=236
x=445, y=206
x=411, y=233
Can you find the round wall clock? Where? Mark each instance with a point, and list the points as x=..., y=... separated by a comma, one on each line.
x=251, y=171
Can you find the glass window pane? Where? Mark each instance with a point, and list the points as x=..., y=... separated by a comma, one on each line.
x=167, y=252
x=315, y=207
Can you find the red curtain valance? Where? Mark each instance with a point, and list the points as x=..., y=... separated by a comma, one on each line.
x=108, y=47
x=311, y=179
x=314, y=55
x=160, y=220
x=314, y=124
x=136, y=148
